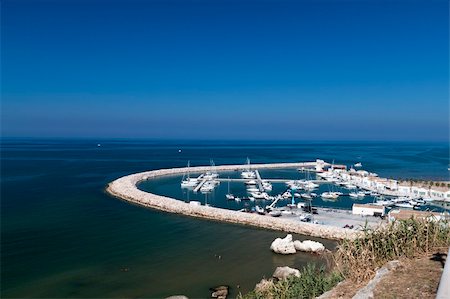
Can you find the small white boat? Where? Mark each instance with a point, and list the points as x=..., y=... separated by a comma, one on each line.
x=349, y=186
x=310, y=185
x=353, y=194
x=247, y=173
x=267, y=186
x=330, y=195
x=237, y=199
x=252, y=189
x=359, y=164
x=260, y=195
x=187, y=181
x=361, y=194
x=251, y=182
x=306, y=196
x=230, y=196
x=404, y=205
x=208, y=186
x=286, y=194
x=383, y=203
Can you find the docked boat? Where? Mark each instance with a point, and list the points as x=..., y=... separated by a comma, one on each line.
x=187, y=181
x=252, y=189
x=207, y=187
x=286, y=194
x=248, y=173
x=251, y=182
x=353, y=194
x=259, y=195
x=382, y=202
x=404, y=205
x=349, y=186
x=330, y=195
x=267, y=186
x=306, y=196
x=211, y=174
x=229, y=196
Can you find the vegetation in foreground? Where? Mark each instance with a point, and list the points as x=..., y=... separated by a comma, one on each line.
x=312, y=282
x=359, y=259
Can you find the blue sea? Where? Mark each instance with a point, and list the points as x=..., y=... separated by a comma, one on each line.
x=63, y=236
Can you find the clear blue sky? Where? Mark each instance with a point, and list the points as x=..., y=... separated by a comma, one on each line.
x=353, y=70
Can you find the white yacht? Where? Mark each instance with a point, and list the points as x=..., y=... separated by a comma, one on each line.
x=359, y=164
x=248, y=173
x=252, y=188
x=211, y=174
x=187, y=181
x=259, y=195
x=353, y=194
x=330, y=195
x=267, y=186
x=229, y=196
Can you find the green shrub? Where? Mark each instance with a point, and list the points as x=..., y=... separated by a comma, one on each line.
x=312, y=282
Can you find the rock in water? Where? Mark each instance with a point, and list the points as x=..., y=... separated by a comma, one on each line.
x=283, y=246
x=284, y=272
x=220, y=292
x=309, y=246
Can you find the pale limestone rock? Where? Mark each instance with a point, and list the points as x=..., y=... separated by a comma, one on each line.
x=283, y=246
x=285, y=272
x=309, y=246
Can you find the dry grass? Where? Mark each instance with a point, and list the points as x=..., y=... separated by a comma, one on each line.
x=359, y=259
x=427, y=273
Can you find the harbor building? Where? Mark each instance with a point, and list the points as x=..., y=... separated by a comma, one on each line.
x=368, y=210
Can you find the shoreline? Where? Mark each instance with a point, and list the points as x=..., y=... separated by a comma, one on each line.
x=126, y=188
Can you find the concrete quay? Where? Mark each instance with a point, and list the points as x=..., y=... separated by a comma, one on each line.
x=126, y=188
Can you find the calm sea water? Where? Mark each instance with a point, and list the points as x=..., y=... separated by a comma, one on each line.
x=62, y=236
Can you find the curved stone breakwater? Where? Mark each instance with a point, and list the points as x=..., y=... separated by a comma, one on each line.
x=126, y=188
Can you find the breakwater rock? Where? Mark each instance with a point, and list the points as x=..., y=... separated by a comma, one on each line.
x=126, y=189
x=288, y=246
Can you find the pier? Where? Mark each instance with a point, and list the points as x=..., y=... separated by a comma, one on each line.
x=269, y=180
x=200, y=185
x=259, y=181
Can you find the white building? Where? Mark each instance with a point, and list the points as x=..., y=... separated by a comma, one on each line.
x=368, y=210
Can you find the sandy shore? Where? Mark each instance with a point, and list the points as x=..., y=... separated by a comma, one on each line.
x=125, y=188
